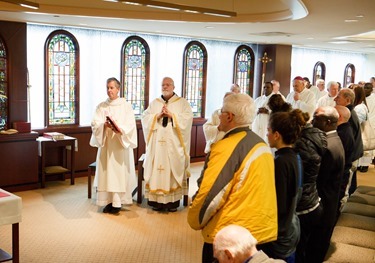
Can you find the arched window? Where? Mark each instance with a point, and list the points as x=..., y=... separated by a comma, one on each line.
x=243, y=69
x=3, y=86
x=194, y=77
x=349, y=75
x=319, y=72
x=62, y=81
x=135, y=68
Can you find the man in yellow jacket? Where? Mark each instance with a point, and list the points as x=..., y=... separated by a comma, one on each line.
x=237, y=184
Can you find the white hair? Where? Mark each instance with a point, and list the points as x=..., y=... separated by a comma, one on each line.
x=319, y=81
x=236, y=239
x=331, y=83
x=242, y=106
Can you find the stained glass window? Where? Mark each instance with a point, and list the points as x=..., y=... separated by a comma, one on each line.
x=243, y=69
x=349, y=74
x=135, y=68
x=319, y=71
x=3, y=87
x=62, y=53
x=194, y=81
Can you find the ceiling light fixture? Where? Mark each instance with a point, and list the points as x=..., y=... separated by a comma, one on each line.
x=23, y=3
x=185, y=8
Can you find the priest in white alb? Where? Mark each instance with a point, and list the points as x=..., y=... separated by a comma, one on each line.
x=167, y=130
x=260, y=123
x=115, y=170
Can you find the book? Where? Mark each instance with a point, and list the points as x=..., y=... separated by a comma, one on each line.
x=113, y=124
x=54, y=135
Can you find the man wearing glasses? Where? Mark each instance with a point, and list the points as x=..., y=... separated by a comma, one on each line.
x=237, y=184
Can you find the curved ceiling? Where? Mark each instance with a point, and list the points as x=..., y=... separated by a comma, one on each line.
x=309, y=23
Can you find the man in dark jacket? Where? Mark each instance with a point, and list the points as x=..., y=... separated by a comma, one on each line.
x=345, y=132
x=328, y=183
x=346, y=98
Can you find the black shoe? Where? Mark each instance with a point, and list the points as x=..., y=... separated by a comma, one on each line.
x=157, y=208
x=115, y=210
x=363, y=169
x=172, y=210
x=107, y=208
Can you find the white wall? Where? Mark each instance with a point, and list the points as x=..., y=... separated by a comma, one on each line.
x=100, y=58
x=304, y=60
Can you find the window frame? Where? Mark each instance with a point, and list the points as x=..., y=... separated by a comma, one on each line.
x=204, y=75
x=346, y=71
x=6, y=80
x=76, y=76
x=146, y=88
x=315, y=71
x=248, y=89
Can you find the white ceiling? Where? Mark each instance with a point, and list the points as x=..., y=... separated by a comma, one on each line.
x=307, y=23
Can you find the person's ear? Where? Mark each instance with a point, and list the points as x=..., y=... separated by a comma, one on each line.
x=229, y=255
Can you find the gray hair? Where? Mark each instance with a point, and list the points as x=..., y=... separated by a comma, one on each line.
x=236, y=239
x=331, y=83
x=242, y=106
x=319, y=81
x=117, y=83
x=330, y=112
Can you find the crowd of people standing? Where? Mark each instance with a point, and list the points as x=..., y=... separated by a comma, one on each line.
x=277, y=169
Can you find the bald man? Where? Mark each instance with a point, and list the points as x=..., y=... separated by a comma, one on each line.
x=345, y=133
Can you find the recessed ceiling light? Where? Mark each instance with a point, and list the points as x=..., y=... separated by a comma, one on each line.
x=341, y=42
x=209, y=27
x=351, y=20
x=360, y=16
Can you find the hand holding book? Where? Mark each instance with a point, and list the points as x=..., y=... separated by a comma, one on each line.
x=113, y=125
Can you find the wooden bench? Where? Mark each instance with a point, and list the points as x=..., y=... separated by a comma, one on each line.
x=138, y=189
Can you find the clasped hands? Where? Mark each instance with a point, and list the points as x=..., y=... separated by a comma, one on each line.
x=164, y=113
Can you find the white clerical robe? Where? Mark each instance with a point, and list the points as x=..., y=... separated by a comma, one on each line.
x=211, y=133
x=260, y=123
x=326, y=100
x=306, y=102
x=115, y=171
x=167, y=161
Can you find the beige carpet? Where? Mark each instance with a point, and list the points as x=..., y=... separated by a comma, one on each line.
x=61, y=225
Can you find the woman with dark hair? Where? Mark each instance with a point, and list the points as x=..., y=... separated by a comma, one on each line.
x=311, y=146
x=276, y=103
x=284, y=129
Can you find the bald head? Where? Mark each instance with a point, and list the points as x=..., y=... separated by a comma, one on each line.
x=344, y=114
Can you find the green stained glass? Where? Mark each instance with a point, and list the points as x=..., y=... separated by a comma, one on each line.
x=134, y=73
x=61, y=80
x=194, y=78
x=243, y=69
x=3, y=87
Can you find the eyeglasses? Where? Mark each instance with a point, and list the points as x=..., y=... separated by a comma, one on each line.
x=221, y=111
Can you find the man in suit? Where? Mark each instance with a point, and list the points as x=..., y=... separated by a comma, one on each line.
x=328, y=183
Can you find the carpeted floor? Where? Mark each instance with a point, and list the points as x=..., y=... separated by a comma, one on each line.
x=59, y=224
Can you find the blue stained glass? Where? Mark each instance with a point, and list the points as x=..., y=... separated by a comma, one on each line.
x=135, y=61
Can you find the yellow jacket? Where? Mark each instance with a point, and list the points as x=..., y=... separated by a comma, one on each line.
x=237, y=186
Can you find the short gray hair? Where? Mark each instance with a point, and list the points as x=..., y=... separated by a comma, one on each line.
x=331, y=83
x=330, y=112
x=236, y=239
x=242, y=106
